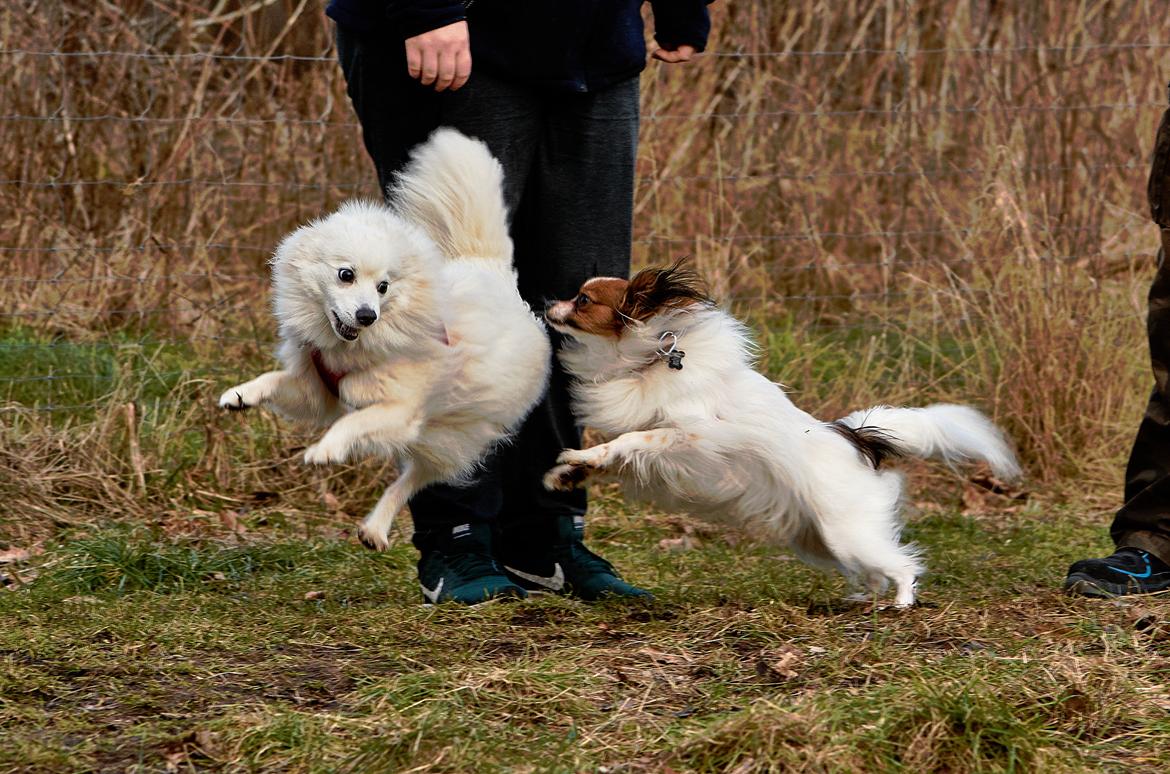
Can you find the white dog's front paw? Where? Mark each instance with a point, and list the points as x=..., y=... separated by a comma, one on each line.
x=236, y=399
x=565, y=478
x=372, y=538
x=589, y=458
x=328, y=450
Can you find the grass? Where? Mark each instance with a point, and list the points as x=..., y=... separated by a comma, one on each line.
x=132, y=649
x=909, y=202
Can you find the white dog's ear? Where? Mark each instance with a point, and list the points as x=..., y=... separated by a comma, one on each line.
x=295, y=246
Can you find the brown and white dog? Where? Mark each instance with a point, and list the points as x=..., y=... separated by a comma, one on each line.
x=698, y=429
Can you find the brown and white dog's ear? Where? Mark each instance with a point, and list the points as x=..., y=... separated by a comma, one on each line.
x=656, y=290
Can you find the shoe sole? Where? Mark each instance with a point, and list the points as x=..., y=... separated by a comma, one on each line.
x=1087, y=586
x=507, y=596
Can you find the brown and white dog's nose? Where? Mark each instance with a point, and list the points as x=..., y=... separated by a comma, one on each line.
x=366, y=316
x=557, y=311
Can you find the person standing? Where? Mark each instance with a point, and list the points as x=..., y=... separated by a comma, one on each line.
x=1141, y=528
x=552, y=89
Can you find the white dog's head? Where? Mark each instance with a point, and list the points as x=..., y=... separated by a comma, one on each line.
x=359, y=277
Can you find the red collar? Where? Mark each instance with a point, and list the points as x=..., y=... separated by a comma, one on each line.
x=330, y=378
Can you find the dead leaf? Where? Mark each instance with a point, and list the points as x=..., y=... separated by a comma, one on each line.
x=998, y=487
x=314, y=595
x=330, y=501
x=1143, y=618
x=664, y=658
x=208, y=742
x=678, y=544
x=974, y=499
x=231, y=520
x=777, y=667
x=13, y=555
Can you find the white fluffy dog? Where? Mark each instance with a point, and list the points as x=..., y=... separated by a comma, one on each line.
x=402, y=329
x=699, y=429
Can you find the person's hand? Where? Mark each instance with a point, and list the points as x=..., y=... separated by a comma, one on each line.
x=441, y=57
x=674, y=55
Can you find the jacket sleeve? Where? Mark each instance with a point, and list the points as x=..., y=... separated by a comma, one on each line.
x=414, y=17
x=681, y=22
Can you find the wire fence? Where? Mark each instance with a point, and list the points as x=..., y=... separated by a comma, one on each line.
x=141, y=213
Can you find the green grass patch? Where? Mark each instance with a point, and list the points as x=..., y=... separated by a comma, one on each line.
x=316, y=655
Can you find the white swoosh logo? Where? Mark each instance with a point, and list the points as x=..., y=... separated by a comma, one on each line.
x=554, y=582
x=433, y=595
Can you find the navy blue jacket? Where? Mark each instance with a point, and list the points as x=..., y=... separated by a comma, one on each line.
x=568, y=45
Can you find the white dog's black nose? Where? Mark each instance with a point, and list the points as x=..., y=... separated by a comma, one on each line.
x=366, y=316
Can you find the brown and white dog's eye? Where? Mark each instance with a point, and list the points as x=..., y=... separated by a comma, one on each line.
x=583, y=299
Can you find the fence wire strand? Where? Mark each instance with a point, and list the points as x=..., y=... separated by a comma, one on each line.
x=895, y=245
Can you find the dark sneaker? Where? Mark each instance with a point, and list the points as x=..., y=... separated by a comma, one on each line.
x=1127, y=571
x=458, y=567
x=566, y=566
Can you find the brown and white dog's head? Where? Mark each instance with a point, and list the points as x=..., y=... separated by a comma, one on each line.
x=606, y=306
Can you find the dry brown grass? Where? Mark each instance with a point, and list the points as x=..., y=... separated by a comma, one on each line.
x=965, y=177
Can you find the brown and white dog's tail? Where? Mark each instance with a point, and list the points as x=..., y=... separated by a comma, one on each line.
x=454, y=189
x=947, y=432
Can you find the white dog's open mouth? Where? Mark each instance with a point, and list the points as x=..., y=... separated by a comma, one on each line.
x=347, y=332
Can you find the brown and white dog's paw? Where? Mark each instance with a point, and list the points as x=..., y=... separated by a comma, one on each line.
x=565, y=478
x=593, y=457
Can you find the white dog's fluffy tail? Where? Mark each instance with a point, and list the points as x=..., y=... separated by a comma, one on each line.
x=454, y=188
x=943, y=431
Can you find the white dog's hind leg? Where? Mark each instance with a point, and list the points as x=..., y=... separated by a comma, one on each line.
x=375, y=529
x=860, y=529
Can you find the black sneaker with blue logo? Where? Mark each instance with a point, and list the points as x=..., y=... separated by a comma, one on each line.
x=457, y=566
x=552, y=557
x=1127, y=571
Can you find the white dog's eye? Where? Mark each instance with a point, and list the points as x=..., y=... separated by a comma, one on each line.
x=346, y=275
x=383, y=286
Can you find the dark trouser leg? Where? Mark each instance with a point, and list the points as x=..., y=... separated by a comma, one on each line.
x=575, y=222
x=1144, y=521
x=397, y=113
x=569, y=173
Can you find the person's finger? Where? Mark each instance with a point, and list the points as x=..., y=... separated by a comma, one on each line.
x=446, y=70
x=430, y=66
x=462, y=69
x=413, y=60
x=683, y=53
